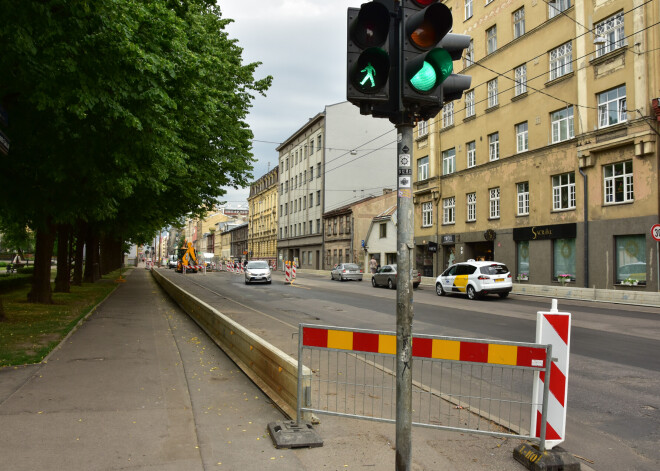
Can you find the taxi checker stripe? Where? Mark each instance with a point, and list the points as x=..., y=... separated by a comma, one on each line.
x=423, y=347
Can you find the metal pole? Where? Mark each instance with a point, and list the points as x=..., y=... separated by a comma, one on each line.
x=404, y=298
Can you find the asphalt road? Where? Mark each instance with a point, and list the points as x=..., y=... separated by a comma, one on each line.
x=614, y=379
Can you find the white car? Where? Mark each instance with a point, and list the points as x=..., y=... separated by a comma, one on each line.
x=475, y=279
x=257, y=270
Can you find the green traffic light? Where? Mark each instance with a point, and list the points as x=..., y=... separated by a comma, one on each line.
x=424, y=80
x=435, y=68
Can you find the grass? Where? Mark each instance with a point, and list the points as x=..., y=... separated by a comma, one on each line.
x=31, y=331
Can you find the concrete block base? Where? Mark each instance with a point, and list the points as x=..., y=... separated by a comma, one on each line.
x=556, y=459
x=288, y=434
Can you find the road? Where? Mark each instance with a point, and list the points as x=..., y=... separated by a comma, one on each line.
x=613, y=401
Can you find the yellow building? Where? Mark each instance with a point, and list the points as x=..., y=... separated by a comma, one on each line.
x=262, y=218
x=549, y=163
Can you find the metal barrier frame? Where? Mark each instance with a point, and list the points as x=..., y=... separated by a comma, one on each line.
x=304, y=400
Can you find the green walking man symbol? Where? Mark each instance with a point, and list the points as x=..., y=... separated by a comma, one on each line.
x=370, y=72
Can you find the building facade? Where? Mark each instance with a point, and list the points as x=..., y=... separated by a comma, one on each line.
x=549, y=163
x=262, y=219
x=239, y=241
x=336, y=158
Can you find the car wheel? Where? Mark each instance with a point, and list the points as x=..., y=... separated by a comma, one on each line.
x=373, y=282
x=415, y=285
x=471, y=293
x=247, y=282
x=268, y=282
x=341, y=278
x=390, y=285
x=438, y=289
x=504, y=295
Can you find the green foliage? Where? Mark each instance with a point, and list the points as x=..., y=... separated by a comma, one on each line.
x=11, y=282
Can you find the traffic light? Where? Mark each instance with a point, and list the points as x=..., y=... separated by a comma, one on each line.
x=368, y=55
x=428, y=54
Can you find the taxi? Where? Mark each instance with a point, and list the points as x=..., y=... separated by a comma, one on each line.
x=476, y=279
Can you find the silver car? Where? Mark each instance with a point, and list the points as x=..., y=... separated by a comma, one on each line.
x=257, y=270
x=346, y=271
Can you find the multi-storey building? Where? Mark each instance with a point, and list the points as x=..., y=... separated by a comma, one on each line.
x=336, y=158
x=549, y=163
x=262, y=219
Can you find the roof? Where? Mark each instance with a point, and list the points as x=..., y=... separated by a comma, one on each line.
x=386, y=215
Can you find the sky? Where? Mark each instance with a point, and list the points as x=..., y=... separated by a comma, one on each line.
x=302, y=45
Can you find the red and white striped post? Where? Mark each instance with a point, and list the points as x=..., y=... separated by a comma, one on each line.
x=553, y=328
x=287, y=272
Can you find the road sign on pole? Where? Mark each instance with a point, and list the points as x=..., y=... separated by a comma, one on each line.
x=655, y=232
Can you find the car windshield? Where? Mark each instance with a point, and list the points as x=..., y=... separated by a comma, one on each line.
x=351, y=266
x=259, y=264
x=495, y=269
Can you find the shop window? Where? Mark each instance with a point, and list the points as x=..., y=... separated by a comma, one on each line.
x=631, y=259
x=564, y=259
x=523, y=260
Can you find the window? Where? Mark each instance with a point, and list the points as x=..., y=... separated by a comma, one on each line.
x=469, y=103
x=448, y=205
x=618, y=182
x=612, y=107
x=318, y=226
x=563, y=258
x=494, y=146
x=311, y=147
x=523, y=198
x=318, y=198
x=561, y=60
x=494, y=203
x=311, y=173
x=563, y=191
x=472, y=207
x=448, y=161
x=630, y=258
x=423, y=168
x=491, y=39
x=562, y=124
x=555, y=7
x=468, y=9
x=311, y=227
x=523, y=259
x=469, y=55
x=522, y=139
x=518, y=23
x=427, y=214
x=492, y=93
x=448, y=114
x=318, y=142
x=471, y=148
x=422, y=128
x=611, y=30
x=521, y=79
x=311, y=200
x=318, y=170
x=383, y=230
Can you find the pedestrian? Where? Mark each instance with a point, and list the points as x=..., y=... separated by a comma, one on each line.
x=373, y=264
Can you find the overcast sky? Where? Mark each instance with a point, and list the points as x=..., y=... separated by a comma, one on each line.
x=302, y=44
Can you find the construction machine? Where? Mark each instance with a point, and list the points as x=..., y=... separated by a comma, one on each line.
x=187, y=258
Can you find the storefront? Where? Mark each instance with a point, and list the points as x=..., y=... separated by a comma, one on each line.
x=531, y=240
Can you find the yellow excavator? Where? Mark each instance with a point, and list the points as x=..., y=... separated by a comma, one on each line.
x=187, y=257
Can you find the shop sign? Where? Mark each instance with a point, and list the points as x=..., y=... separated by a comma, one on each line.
x=449, y=239
x=433, y=247
x=554, y=231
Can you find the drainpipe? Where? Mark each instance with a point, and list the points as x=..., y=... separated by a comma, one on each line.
x=586, y=229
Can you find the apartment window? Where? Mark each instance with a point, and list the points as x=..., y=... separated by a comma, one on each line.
x=318, y=226
x=448, y=161
x=469, y=103
x=561, y=60
x=318, y=142
x=522, y=139
x=311, y=147
x=492, y=93
x=494, y=203
x=471, y=207
x=311, y=173
x=448, y=206
x=469, y=55
x=427, y=214
x=448, y=114
x=287, y=163
x=523, y=198
x=612, y=107
x=563, y=258
x=611, y=30
x=310, y=231
x=468, y=9
x=555, y=7
x=318, y=170
x=518, y=23
x=318, y=198
x=494, y=146
x=383, y=230
x=422, y=128
x=423, y=168
x=311, y=200
x=618, y=182
x=562, y=124
x=471, y=148
x=491, y=39
x=521, y=79
x=630, y=258
x=304, y=202
x=563, y=191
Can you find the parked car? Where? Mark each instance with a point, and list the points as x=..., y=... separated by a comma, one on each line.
x=257, y=270
x=347, y=271
x=386, y=276
x=475, y=279
x=171, y=263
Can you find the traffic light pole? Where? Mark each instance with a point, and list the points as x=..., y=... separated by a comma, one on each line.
x=404, y=298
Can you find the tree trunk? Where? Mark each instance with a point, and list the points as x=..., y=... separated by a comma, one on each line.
x=41, y=291
x=62, y=279
x=3, y=317
x=92, y=269
x=81, y=233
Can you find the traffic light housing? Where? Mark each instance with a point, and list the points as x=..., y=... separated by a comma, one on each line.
x=428, y=52
x=370, y=33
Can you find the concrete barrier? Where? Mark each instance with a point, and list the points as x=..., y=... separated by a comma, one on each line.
x=275, y=372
